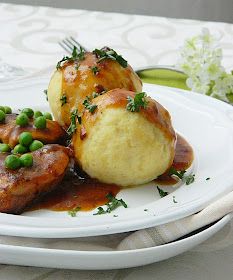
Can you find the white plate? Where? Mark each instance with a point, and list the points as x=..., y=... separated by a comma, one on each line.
x=205, y=122
x=99, y=260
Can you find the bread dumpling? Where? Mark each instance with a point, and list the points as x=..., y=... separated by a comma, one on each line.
x=118, y=145
x=91, y=73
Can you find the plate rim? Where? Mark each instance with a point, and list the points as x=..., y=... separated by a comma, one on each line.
x=195, y=239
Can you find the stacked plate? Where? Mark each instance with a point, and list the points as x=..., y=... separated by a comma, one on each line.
x=207, y=125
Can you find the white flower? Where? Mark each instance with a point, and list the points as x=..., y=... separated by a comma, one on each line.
x=200, y=59
x=224, y=87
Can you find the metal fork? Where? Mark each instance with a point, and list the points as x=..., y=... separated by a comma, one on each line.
x=69, y=43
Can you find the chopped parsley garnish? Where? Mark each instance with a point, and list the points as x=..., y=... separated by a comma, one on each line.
x=90, y=107
x=107, y=53
x=63, y=100
x=95, y=70
x=96, y=94
x=73, y=117
x=46, y=94
x=188, y=179
x=76, y=56
x=135, y=104
x=100, y=211
x=161, y=192
x=74, y=211
x=179, y=174
x=174, y=199
x=68, y=142
x=112, y=204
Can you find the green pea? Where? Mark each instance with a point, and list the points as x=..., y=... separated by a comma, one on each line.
x=40, y=122
x=8, y=110
x=26, y=160
x=19, y=149
x=12, y=162
x=2, y=108
x=22, y=119
x=4, y=148
x=2, y=116
x=36, y=145
x=25, y=138
x=29, y=112
x=37, y=114
x=48, y=116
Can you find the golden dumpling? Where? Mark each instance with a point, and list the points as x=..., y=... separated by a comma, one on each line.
x=116, y=145
x=78, y=78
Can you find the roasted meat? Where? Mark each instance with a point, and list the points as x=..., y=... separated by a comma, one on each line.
x=19, y=188
x=10, y=131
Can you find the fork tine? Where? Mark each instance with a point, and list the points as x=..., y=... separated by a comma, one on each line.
x=65, y=47
x=76, y=43
x=72, y=43
x=68, y=44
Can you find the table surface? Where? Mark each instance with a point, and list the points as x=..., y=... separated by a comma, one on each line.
x=29, y=37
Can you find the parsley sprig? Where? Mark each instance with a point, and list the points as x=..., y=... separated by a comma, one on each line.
x=63, y=99
x=95, y=70
x=188, y=179
x=107, y=53
x=46, y=93
x=112, y=204
x=73, y=212
x=96, y=94
x=75, y=56
x=87, y=104
x=162, y=193
x=135, y=104
x=73, y=117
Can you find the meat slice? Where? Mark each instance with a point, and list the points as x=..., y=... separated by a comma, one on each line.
x=19, y=188
x=10, y=131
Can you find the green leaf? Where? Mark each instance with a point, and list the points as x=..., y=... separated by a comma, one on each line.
x=90, y=107
x=187, y=179
x=107, y=53
x=112, y=204
x=179, y=174
x=100, y=211
x=73, y=118
x=63, y=100
x=95, y=70
x=76, y=56
x=135, y=104
x=161, y=192
x=46, y=93
x=74, y=211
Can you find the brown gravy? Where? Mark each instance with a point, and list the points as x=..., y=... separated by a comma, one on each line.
x=89, y=194
x=182, y=161
x=74, y=192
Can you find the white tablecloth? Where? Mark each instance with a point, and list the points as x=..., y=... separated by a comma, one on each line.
x=29, y=37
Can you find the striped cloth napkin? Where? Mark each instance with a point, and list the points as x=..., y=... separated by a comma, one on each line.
x=139, y=239
x=169, y=232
